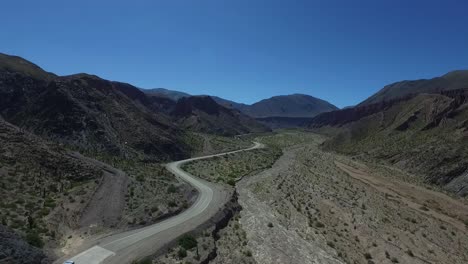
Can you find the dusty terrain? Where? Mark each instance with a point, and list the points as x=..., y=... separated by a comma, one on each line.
x=230, y=168
x=330, y=212
x=314, y=206
x=144, y=194
x=214, y=207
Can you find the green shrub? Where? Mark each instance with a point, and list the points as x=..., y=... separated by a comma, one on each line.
x=410, y=253
x=34, y=239
x=172, y=189
x=319, y=224
x=182, y=253
x=187, y=242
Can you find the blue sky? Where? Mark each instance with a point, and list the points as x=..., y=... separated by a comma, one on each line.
x=243, y=50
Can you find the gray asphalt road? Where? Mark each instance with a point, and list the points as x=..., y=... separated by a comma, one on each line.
x=128, y=246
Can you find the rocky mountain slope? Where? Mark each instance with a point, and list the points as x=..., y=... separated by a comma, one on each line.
x=450, y=81
x=87, y=112
x=203, y=114
x=424, y=134
x=101, y=116
x=43, y=187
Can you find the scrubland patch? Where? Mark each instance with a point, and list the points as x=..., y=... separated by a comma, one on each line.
x=309, y=199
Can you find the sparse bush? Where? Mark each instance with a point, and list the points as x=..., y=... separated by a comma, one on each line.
x=140, y=178
x=187, y=242
x=367, y=255
x=172, y=189
x=319, y=225
x=231, y=182
x=34, y=239
x=182, y=253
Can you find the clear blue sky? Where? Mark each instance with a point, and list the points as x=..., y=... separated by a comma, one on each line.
x=243, y=50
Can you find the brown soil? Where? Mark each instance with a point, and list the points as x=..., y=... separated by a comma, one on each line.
x=431, y=203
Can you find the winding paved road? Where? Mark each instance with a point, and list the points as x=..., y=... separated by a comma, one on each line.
x=128, y=246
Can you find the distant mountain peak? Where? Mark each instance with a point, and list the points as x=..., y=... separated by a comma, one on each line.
x=293, y=105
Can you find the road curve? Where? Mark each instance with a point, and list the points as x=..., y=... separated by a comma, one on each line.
x=128, y=246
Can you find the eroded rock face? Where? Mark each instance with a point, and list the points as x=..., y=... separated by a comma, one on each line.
x=13, y=249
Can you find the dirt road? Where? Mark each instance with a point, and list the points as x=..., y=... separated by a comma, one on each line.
x=131, y=245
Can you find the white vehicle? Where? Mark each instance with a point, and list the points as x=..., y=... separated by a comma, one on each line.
x=69, y=262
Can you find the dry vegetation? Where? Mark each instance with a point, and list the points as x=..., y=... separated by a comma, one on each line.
x=228, y=246
x=206, y=144
x=42, y=187
x=357, y=214
x=230, y=168
x=154, y=193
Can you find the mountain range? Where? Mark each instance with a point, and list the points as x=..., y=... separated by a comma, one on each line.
x=89, y=113
x=47, y=120
x=293, y=105
x=276, y=112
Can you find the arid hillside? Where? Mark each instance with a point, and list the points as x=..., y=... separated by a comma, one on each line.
x=100, y=116
x=424, y=134
x=451, y=81
x=44, y=188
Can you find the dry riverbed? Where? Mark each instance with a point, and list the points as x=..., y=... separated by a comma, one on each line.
x=313, y=206
x=326, y=208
